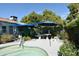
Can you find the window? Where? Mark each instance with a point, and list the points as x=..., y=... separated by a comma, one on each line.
x=11, y=29
x=3, y=29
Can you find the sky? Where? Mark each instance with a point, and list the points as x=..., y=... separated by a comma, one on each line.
x=22, y=9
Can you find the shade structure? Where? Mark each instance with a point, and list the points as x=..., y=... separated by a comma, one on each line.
x=43, y=23
x=47, y=23
x=22, y=24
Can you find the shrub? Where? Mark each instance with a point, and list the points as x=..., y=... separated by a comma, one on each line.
x=0, y=39
x=6, y=38
x=26, y=38
x=68, y=49
x=64, y=35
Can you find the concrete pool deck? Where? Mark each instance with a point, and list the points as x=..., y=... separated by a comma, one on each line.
x=41, y=43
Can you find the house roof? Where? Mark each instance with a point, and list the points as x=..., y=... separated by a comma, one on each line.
x=7, y=20
x=14, y=23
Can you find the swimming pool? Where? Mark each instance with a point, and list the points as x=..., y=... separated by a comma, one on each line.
x=26, y=51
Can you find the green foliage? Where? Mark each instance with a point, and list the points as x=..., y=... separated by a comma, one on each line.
x=6, y=38
x=72, y=26
x=46, y=15
x=64, y=35
x=26, y=31
x=50, y=15
x=74, y=9
x=33, y=17
x=68, y=49
x=26, y=38
x=73, y=23
x=72, y=29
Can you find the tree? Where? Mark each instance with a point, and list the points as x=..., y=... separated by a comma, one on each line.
x=33, y=17
x=72, y=26
x=51, y=16
x=74, y=11
x=48, y=15
x=68, y=49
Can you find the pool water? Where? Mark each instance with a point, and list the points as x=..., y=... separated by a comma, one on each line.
x=26, y=51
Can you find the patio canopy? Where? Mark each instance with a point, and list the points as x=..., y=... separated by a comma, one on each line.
x=47, y=23
x=22, y=24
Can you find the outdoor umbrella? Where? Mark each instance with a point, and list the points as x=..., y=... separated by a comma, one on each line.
x=47, y=23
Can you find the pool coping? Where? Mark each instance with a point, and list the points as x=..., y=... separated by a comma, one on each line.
x=8, y=44
x=2, y=46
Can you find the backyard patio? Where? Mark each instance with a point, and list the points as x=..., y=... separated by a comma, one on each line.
x=40, y=43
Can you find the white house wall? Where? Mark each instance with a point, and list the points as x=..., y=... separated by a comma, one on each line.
x=7, y=27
